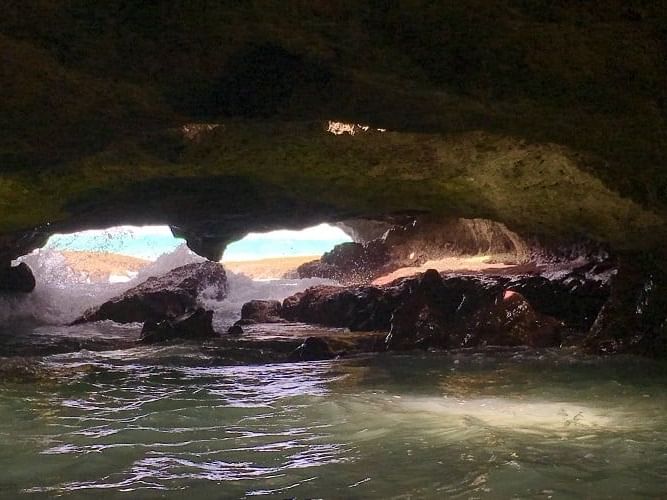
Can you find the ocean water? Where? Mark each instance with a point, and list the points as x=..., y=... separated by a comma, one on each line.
x=152, y=241
x=170, y=422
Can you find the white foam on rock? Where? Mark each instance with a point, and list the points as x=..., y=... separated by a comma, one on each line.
x=62, y=295
x=243, y=289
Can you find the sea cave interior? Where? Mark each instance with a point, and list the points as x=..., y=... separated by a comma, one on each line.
x=333, y=249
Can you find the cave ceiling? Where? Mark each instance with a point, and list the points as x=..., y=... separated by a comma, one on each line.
x=218, y=118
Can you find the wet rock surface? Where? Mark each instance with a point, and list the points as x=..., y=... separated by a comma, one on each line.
x=196, y=325
x=167, y=296
x=634, y=318
x=448, y=312
x=261, y=311
x=312, y=349
x=292, y=342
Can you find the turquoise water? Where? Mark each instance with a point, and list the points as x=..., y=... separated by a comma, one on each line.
x=153, y=243
x=170, y=422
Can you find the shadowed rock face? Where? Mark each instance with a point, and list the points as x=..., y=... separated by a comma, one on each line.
x=17, y=279
x=194, y=325
x=169, y=296
x=634, y=318
x=457, y=311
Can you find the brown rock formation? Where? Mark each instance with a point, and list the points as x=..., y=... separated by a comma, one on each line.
x=455, y=311
x=168, y=296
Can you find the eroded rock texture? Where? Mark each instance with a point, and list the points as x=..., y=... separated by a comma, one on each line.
x=457, y=311
x=634, y=318
x=168, y=296
x=414, y=243
x=548, y=117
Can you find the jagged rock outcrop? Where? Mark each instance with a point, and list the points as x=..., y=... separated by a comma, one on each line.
x=634, y=318
x=168, y=296
x=455, y=311
x=193, y=325
x=350, y=263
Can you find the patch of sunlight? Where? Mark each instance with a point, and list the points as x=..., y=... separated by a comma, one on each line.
x=339, y=128
x=518, y=415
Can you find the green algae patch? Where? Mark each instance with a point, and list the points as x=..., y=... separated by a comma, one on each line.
x=539, y=189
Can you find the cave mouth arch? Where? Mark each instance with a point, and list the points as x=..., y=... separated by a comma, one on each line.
x=117, y=253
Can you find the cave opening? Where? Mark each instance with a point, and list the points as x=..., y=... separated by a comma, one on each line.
x=118, y=253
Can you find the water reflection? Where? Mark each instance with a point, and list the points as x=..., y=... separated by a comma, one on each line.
x=384, y=427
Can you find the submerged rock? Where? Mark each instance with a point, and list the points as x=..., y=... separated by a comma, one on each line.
x=17, y=279
x=235, y=330
x=167, y=296
x=195, y=325
x=312, y=349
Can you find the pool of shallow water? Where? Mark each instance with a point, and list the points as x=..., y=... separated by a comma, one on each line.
x=139, y=423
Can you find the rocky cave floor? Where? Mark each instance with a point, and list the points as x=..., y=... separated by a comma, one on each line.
x=429, y=311
x=388, y=298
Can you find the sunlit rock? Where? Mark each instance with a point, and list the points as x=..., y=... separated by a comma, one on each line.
x=167, y=296
x=260, y=311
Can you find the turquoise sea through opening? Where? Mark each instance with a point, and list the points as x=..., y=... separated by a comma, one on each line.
x=149, y=242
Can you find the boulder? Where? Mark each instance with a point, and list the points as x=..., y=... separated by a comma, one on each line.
x=235, y=330
x=194, y=325
x=512, y=321
x=17, y=279
x=363, y=308
x=261, y=311
x=312, y=349
x=573, y=298
x=167, y=296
